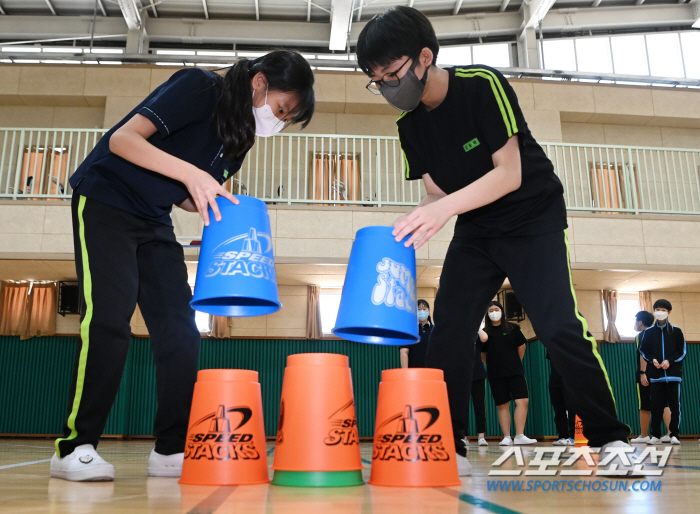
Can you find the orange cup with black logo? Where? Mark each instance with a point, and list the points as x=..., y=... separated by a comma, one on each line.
x=226, y=434
x=413, y=440
x=579, y=438
x=318, y=443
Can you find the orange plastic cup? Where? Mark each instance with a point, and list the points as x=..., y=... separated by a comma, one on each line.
x=226, y=435
x=413, y=440
x=579, y=438
x=318, y=444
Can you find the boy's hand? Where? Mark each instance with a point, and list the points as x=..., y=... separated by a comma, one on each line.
x=665, y=364
x=423, y=222
x=644, y=380
x=204, y=189
x=656, y=363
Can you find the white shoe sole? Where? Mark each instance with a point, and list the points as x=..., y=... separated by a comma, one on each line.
x=164, y=472
x=101, y=473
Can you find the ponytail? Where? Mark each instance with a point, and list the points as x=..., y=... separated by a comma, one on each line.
x=285, y=71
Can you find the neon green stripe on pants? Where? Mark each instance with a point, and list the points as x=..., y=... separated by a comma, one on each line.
x=594, y=344
x=84, y=330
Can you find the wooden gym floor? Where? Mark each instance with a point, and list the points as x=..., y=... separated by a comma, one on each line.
x=25, y=487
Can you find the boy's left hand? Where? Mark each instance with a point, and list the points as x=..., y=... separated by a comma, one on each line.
x=423, y=222
x=656, y=363
x=665, y=364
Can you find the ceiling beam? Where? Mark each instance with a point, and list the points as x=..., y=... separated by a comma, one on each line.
x=102, y=7
x=341, y=17
x=297, y=34
x=257, y=9
x=2, y=11
x=504, y=5
x=131, y=12
x=206, y=9
x=535, y=12
x=53, y=11
x=596, y=3
x=458, y=6
x=695, y=5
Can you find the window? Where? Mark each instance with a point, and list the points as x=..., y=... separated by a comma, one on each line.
x=330, y=301
x=559, y=54
x=593, y=55
x=629, y=55
x=203, y=321
x=665, y=55
x=690, y=42
x=627, y=308
x=455, y=55
x=496, y=55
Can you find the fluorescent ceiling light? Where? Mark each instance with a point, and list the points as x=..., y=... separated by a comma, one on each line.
x=251, y=54
x=27, y=61
x=168, y=64
x=63, y=50
x=340, y=24
x=59, y=61
x=110, y=62
x=175, y=52
x=212, y=53
x=27, y=49
x=105, y=50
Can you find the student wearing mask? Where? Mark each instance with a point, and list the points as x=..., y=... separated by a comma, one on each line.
x=463, y=134
x=644, y=320
x=663, y=347
x=504, y=351
x=413, y=356
x=177, y=147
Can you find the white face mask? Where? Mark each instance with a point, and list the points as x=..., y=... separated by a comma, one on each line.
x=661, y=315
x=495, y=315
x=266, y=123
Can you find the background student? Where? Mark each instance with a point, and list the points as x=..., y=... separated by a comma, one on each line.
x=663, y=347
x=413, y=356
x=504, y=351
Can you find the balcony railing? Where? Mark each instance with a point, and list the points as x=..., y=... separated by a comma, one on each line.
x=369, y=171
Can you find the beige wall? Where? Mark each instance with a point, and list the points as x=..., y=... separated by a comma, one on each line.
x=99, y=96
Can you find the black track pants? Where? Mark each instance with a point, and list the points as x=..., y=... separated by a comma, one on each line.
x=564, y=416
x=479, y=402
x=539, y=272
x=122, y=259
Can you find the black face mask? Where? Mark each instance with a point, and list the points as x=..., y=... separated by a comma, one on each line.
x=405, y=94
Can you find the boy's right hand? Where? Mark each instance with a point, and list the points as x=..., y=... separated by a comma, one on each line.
x=644, y=380
x=656, y=363
x=204, y=189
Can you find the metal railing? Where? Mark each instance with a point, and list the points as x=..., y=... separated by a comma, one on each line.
x=369, y=171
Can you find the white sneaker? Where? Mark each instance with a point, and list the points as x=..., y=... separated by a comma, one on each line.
x=483, y=442
x=83, y=465
x=465, y=440
x=561, y=442
x=464, y=468
x=570, y=442
x=620, y=465
x=654, y=440
x=523, y=439
x=666, y=439
x=507, y=441
x=674, y=440
x=640, y=440
x=165, y=465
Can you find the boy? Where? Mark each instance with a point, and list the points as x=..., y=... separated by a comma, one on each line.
x=463, y=133
x=643, y=320
x=663, y=346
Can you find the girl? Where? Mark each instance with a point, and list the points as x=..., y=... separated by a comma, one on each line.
x=177, y=147
x=504, y=350
x=413, y=356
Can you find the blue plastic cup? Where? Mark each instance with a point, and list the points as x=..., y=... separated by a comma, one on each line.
x=378, y=303
x=236, y=270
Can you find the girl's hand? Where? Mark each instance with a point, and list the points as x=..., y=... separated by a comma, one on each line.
x=204, y=189
x=644, y=380
x=656, y=363
x=423, y=222
x=665, y=364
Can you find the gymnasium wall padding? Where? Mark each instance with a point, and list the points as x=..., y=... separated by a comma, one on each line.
x=35, y=374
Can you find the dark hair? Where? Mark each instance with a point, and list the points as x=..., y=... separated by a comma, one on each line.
x=425, y=304
x=397, y=32
x=645, y=317
x=662, y=304
x=285, y=71
x=488, y=324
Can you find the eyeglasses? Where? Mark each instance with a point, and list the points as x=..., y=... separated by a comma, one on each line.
x=388, y=79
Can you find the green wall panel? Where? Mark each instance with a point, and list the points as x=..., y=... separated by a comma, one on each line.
x=35, y=374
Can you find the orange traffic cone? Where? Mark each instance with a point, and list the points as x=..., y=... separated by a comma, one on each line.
x=226, y=435
x=579, y=438
x=413, y=440
x=318, y=444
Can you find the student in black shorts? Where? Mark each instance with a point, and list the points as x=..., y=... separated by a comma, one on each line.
x=504, y=351
x=413, y=356
x=462, y=132
x=642, y=321
x=177, y=147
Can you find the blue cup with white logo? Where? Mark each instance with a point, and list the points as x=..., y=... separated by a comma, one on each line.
x=378, y=303
x=236, y=271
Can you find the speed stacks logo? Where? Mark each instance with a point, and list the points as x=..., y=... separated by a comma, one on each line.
x=211, y=437
x=406, y=436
